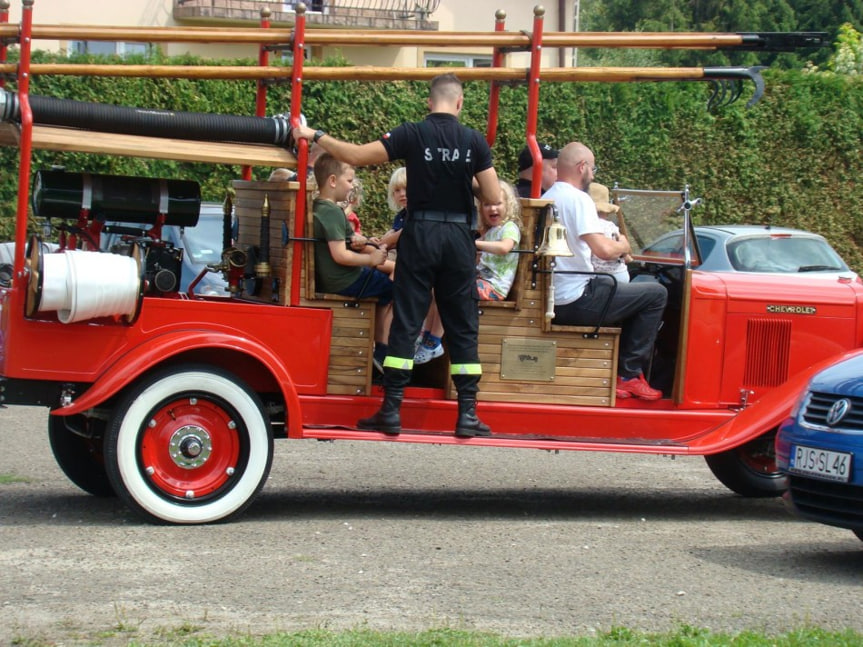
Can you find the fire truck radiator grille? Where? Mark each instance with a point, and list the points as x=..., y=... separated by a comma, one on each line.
x=768, y=346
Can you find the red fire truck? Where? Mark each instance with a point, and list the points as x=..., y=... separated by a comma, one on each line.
x=172, y=400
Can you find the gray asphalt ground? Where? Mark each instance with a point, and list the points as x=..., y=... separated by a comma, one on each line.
x=399, y=537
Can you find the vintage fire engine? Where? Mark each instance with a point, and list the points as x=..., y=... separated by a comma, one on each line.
x=171, y=401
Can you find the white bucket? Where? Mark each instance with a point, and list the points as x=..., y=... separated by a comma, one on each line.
x=55, y=296
x=84, y=285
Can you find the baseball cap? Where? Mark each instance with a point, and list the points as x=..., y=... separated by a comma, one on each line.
x=525, y=161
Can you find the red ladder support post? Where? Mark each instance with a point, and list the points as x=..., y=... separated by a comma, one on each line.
x=298, y=50
x=26, y=141
x=533, y=100
x=494, y=91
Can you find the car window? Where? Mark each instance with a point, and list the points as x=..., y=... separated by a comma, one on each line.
x=784, y=254
x=203, y=242
x=705, y=245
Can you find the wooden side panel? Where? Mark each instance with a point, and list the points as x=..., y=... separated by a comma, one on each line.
x=353, y=335
x=584, y=367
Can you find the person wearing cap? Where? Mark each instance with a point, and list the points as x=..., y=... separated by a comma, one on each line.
x=604, y=209
x=580, y=296
x=525, y=170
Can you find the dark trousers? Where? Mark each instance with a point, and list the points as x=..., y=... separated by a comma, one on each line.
x=439, y=256
x=637, y=307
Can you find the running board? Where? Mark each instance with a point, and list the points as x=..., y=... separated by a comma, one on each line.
x=500, y=440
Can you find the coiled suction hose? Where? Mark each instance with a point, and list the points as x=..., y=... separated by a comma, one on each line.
x=125, y=120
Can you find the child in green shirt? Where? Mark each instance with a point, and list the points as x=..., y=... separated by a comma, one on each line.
x=340, y=266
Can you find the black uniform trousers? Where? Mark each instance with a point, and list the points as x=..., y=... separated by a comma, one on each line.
x=637, y=306
x=441, y=256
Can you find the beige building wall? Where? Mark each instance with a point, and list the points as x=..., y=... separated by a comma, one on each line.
x=122, y=13
x=451, y=15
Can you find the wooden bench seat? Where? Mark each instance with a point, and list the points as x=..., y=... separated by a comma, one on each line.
x=524, y=357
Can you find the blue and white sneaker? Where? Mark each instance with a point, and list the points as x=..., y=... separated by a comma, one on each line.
x=425, y=354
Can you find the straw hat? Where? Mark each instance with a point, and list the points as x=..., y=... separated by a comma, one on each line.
x=599, y=194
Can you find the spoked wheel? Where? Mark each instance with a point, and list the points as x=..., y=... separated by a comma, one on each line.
x=750, y=470
x=190, y=444
x=76, y=443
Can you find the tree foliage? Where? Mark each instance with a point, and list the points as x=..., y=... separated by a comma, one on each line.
x=724, y=16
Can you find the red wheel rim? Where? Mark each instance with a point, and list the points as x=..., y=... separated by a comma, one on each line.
x=189, y=448
x=759, y=455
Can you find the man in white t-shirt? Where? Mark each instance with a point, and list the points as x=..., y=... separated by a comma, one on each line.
x=579, y=299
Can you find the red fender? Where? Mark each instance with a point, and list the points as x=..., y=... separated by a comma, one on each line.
x=156, y=350
x=765, y=414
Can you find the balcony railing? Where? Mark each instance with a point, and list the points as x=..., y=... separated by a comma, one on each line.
x=375, y=14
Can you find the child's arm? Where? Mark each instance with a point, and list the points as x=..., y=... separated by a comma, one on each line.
x=358, y=242
x=391, y=237
x=369, y=257
x=500, y=247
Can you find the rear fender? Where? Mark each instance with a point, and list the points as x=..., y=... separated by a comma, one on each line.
x=162, y=348
x=765, y=414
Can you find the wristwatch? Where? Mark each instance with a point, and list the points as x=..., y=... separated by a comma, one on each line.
x=318, y=135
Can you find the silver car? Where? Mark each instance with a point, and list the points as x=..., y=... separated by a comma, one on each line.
x=752, y=248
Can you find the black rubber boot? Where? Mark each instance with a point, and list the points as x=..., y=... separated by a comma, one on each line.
x=387, y=419
x=468, y=425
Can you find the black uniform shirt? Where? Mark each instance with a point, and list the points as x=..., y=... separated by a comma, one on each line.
x=436, y=152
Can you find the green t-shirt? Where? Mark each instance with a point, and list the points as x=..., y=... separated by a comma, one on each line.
x=331, y=223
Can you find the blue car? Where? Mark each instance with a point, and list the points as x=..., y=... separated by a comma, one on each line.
x=819, y=444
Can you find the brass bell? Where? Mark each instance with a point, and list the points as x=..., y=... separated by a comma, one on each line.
x=554, y=239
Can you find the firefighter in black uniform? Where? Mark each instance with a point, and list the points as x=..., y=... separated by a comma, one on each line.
x=436, y=250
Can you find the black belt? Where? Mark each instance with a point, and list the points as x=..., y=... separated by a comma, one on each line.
x=439, y=216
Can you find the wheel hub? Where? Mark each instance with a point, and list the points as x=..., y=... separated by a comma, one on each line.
x=190, y=447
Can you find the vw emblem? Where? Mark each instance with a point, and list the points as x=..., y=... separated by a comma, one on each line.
x=838, y=411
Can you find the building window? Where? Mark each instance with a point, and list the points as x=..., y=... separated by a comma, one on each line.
x=109, y=48
x=457, y=60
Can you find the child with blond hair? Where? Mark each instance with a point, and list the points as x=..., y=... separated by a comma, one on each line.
x=500, y=228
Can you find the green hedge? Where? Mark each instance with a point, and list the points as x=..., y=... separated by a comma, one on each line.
x=793, y=159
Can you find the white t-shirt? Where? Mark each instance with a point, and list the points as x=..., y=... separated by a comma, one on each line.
x=577, y=212
x=617, y=267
